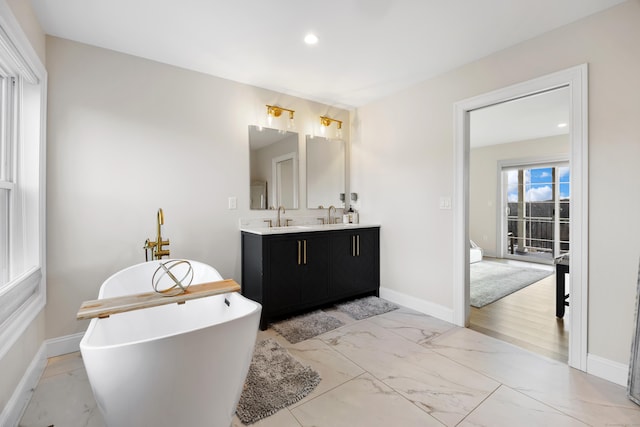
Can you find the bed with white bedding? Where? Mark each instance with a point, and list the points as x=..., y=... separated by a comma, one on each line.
x=475, y=252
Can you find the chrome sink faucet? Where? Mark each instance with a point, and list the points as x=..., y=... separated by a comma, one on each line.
x=278, y=222
x=330, y=218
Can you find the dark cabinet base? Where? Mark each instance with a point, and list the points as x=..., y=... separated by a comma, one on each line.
x=296, y=272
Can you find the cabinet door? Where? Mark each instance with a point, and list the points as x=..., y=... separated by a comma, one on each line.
x=314, y=279
x=355, y=262
x=283, y=286
x=298, y=271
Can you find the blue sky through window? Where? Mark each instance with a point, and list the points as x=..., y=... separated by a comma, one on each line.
x=538, y=184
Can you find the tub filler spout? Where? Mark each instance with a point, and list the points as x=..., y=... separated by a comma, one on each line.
x=156, y=247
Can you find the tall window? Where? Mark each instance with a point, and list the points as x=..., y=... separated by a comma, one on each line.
x=7, y=181
x=22, y=202
x=538, y=211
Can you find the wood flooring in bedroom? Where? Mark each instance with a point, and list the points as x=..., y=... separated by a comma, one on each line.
x=527, y=319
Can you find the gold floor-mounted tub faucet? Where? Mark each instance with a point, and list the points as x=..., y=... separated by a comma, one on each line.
x=156, y=248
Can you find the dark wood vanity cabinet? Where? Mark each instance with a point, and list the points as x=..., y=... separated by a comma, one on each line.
x=292, y=272
x=354, y=263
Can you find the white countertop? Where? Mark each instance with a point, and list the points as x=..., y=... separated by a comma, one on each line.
x=304, y=228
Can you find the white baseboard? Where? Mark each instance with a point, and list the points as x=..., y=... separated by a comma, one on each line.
x=17, y=404
x=15, y=407
x=426, y=307
x=609, y=370
x=63, y=345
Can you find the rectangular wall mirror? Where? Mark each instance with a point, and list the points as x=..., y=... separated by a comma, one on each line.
x=325, y=172
x=273, y=159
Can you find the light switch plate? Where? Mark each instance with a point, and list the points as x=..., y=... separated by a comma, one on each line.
x=445, y=202
x=233, y=202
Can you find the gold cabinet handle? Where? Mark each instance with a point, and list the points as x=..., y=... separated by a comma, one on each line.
x=299, y=251
x=305, y=252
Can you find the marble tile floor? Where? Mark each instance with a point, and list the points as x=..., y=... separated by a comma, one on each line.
x=398, y=369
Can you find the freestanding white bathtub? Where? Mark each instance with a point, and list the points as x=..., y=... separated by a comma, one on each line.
x=173, y=365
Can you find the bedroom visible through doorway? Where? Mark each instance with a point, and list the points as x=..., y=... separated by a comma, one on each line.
x=519, y=197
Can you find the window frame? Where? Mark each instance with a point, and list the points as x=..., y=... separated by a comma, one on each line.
x=504, y=168
x=23, y=295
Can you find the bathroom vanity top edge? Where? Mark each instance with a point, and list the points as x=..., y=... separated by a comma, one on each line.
x=305, y=228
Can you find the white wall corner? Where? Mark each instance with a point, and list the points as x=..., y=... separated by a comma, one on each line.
x=64, y=345
x=426, y=307
x=609, y=370
x=17, y=404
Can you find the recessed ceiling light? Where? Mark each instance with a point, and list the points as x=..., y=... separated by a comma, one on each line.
x=311, y=39
x=562, y=125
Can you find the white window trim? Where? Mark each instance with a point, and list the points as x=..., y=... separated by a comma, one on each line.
x=33, y=281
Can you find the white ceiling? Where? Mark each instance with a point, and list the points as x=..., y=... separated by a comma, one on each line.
x=532, y=117
x=367, y=49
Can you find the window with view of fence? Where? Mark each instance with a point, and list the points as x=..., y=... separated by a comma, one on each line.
x=539, y=225
x=538, y=210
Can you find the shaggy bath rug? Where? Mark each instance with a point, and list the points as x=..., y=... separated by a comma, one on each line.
x=275, y=381
x=490, y=281
x=306, y=326
x=366, y=307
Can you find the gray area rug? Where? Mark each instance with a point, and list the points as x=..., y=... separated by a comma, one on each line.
x=275, y=381
x=366, y=307
x=491, y=281
x=306, y=326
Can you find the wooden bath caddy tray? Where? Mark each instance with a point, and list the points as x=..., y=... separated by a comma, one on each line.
x=105, y=307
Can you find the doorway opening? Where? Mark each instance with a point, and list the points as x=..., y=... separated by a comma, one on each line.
x=285, y=186
x=519, y=193
x=575, y=79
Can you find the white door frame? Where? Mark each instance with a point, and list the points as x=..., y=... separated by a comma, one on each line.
x=275, y=179
x=576, y=79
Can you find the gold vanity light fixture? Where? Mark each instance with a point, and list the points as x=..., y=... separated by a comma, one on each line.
x=326, y=122
x=275, y=111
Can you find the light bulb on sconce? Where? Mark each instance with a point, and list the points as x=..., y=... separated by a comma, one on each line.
x=275, y=111
x=325, y=122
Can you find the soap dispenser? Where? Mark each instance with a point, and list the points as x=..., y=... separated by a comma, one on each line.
x=350, y=215
x=353, y=215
